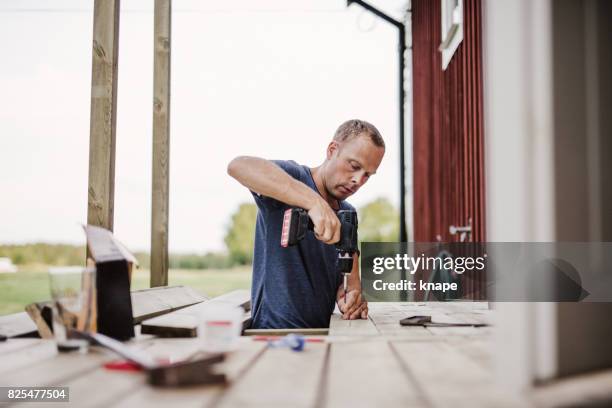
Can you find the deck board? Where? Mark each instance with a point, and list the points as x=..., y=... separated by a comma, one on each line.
x=236, y=364
x=55, y=371
x=14, y=345
x=364, y=362
x=280, y=378
x=30, y=355
x=17, y=324
x=450, y=378
x=184, y=322
x=360, y=327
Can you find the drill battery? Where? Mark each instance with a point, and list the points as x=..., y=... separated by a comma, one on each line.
x=295, y=224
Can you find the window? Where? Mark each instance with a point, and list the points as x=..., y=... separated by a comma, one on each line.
x=452, y=29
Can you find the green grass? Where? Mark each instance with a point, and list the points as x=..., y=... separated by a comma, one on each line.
x=32, y=285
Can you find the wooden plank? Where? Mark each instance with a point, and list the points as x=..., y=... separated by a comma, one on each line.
x=84, y=374
x=474, y=316
x=98, y=388
x=17, y=324
x=406, y=333
x=91, y=385
x=387, y=321
x=444, y=312
x=359, y=327
x=283, y=332
x=479, y=349
x=454, y=331
x=146, y=304
x=32, y=354
x=36, y=312
x=161, y=143
x=386, y=317
x=12, y=345
x=64, y=367
x=279, y=378
x=101, y=191
x=444, y=375
x=240, y=297
x=367, y=373
x=184, y=322
x=149, y=303
x=236, y=364
x=470, y=317
x=461, y=308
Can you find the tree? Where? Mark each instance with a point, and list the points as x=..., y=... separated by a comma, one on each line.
x=240, y=236
x=378, y=222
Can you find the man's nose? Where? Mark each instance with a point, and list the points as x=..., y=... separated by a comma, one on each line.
x=359, y=178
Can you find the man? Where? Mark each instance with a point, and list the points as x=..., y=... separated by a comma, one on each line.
x=296, y=287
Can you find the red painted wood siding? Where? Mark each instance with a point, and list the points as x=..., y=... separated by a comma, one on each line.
x=448, y=127
x=448, y=133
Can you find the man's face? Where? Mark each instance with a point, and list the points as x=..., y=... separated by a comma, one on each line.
x=350, y=164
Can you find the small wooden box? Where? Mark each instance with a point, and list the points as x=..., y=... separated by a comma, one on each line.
x=113, y=269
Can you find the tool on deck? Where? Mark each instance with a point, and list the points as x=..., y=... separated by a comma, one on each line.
x=198, y=369
x=276, y=337
x=292, y=341
x=425, y=321
x=296, y=222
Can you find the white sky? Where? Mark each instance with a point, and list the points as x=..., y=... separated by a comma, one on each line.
x=266, y=78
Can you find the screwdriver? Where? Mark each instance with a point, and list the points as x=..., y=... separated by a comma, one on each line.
x=345, y=285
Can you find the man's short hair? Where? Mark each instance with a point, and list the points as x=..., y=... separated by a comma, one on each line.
x=355, y=127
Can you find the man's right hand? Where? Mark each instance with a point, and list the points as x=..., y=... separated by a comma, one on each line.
x=325, y=221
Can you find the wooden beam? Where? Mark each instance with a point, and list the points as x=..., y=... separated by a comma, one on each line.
x=359, y=327
x=284, y=332
x=17, y=325
x=150, y=303
x=184, y=322
x=161, y=144
x=146, y=304
x=101, y=191
x=281, y=378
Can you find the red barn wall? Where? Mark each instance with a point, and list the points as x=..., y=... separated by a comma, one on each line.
x=448, y=127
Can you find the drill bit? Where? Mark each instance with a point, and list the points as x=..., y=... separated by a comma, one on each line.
x=345, y=286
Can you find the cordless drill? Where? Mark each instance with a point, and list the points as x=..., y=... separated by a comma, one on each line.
x=296, y=222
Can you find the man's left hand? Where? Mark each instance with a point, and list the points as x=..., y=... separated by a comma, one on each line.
x=355, y=307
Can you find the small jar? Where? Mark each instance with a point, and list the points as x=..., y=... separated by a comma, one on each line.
x=219, y=327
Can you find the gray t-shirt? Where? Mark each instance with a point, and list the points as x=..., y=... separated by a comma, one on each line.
x=292, y=287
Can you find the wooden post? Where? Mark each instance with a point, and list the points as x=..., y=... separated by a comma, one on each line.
x=101, y=191
x=161, y=144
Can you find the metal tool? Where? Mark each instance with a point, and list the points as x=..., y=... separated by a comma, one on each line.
x=425, y=321
x=136, y=356
x=296, y=223
x=197, y=369
x=347, y=246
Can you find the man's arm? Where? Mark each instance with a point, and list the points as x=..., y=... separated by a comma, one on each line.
x=266, y=178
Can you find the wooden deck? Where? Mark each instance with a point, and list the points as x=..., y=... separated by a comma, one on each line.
x=373, y=362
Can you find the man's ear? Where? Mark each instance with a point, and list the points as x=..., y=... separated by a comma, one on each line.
x=332, y=149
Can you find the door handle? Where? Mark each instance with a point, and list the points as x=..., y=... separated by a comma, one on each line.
x=463, y=231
